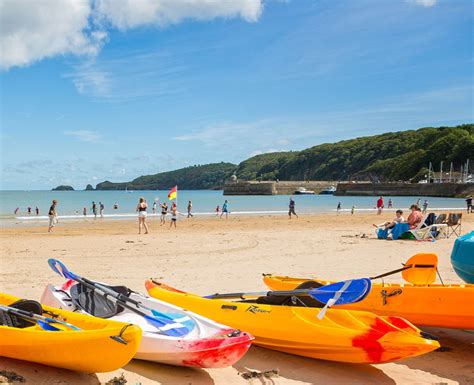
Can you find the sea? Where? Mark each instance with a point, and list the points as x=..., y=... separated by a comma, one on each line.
x=71, y=203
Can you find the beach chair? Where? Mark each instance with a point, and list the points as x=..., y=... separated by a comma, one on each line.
x=454, y=224
x=430, y=227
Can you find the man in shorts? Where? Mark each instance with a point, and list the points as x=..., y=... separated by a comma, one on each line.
x=292, y=208
x=53, y=215
x=164, y=211
x=225, y=209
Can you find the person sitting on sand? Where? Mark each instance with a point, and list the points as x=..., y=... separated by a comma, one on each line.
x=391, y=224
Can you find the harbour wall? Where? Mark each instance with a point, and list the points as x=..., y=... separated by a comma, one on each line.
x=273, y=187
x=448, y=190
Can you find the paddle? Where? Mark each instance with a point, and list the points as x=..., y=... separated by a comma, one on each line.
x=163, y=323
x=423, y=269
x=44, y=322
x=339, y=293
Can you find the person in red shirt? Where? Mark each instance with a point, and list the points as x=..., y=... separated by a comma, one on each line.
x=379, y=205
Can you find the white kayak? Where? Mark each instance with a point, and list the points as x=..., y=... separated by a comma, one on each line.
x=205, y=344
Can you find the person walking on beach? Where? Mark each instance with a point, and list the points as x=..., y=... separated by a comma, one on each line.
x=101, y=208
x=291, y=208
x=84, y=211
x=468, y=204
x=425, y=206
x=53, y=215
x=141, y=209
x=164, y=211
x=190, y=207
x=379, y=205
x=352, y=210
x=225, y=209
x=154, y=207
x=174, y=216
x=218, y=209
x=94, y=209
x=37, y=210
x=338, y=209
x=390, y=203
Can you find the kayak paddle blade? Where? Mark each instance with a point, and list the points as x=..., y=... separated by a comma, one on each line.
x=423, y=269
x=47, y=326
x=59, y=268
x=356, y=291
x=170, y=328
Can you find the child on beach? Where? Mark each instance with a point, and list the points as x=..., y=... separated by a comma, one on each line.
x=218, y=209
x=338, y=209
x=390, y=224
x=352, y=210
x=291, y=207
x=141, y=208
x=101, y=208
x=37, y=210
x=225, y=210
x=84, y=211
x=425, y=206
x=190, y=207
x=53, y=215
x=390, y=203
x=154, y=207
x=174, y=216
x=94, y=209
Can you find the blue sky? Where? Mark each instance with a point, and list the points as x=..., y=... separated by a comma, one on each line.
x=92, y=91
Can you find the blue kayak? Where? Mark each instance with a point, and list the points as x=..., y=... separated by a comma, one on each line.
x=462, y=257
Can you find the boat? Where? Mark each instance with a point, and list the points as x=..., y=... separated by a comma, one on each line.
x=206, y=344
x=100, y=346
x=448, y=305
x=341, y=335
x=462, y=257
x=328, y=191
x=303, y=191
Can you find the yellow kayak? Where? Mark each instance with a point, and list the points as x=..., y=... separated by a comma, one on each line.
x=90, y=349
x=342, y=335
x=449, y=306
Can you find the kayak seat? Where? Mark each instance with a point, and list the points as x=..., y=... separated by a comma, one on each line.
x=96, y=304
x=18, y=322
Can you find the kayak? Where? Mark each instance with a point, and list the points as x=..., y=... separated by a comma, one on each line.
x=342, y=335
x=448, y=306
x=91, y=349
x=206, y=344
x=462, y=257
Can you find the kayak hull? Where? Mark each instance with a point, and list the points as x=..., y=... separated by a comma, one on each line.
x=447, y=306
x=462, y=257
x=344, y=336
x=88, y=350
x=208, y=345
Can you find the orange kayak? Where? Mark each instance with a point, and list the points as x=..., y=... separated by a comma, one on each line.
x=449, y=306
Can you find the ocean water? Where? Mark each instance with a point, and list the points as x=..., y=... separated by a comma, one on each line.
x=71, y=203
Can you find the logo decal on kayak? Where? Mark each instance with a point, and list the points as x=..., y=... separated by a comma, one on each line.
x=255, y=309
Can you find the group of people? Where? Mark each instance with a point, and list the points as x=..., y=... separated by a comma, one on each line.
x=29, y=210
x=142, y=208
x=399, y=225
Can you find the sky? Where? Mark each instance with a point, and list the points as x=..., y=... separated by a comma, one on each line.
x=95, y=90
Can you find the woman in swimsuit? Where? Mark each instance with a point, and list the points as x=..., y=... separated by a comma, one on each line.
x=141, y=208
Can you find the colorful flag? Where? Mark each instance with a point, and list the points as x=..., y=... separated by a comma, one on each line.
x=173, y=193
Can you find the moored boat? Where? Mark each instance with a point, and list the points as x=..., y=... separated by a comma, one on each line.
x=99, y=346
x=341, y=335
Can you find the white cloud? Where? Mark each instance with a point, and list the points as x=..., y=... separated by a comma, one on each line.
x=85, y=135
x=33, y=30
x=125, y=14
x=423, y=3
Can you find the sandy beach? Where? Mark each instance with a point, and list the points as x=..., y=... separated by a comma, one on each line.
x=207, y=255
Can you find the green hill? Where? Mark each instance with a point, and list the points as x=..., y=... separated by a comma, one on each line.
x=400, y=155
x=391, y=156
x=208, y=176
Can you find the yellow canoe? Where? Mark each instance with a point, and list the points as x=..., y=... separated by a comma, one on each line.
x=89, y=350
x=449, y=306
x=345, y=336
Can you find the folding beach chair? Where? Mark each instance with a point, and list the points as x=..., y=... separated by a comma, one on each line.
x=430, y=227
x=454, y=224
